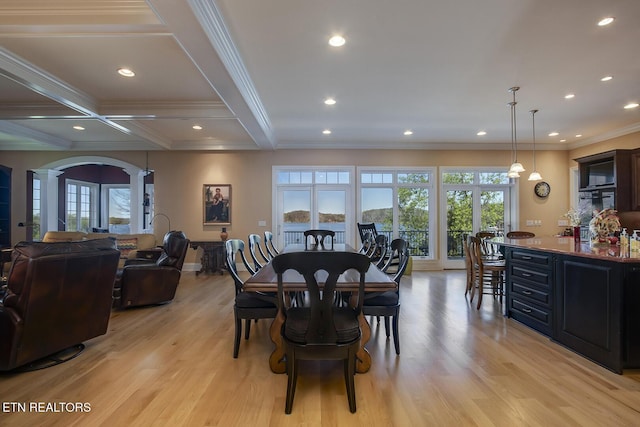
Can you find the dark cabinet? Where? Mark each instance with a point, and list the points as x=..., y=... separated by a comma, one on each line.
x=529, y=292
x=5, y=207
x=588, y=309
x=635, y=180
x=606, y=181
x=587, y=304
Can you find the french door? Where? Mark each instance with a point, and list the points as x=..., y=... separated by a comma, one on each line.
x=472, y=201
x=300, y=208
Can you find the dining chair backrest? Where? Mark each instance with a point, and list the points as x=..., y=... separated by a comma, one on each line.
x=319, y=238
x=254, y=245
x=398, y=253
x=488, y=249
x=520, y=235
x=269, y=245
x=234, y=247
x=321, y=328
x=364, y=228
x=368, y=245
x=380, y=252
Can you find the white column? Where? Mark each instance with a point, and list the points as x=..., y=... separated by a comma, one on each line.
x=48, y=199
x=136, y=186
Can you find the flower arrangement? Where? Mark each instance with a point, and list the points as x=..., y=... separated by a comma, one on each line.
x=604, y=223
x=573, y=216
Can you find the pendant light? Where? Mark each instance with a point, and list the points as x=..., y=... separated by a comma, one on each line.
x=516, y=167
x=535, y=176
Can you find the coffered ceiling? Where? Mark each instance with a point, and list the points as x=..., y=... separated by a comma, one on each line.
x=254, y=74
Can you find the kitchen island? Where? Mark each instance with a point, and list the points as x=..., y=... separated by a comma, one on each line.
x=585, y=298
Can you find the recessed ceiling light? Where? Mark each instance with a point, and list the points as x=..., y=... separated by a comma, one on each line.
x=126, y=72
x=554, y=134
x=326, y=132
x=481, y=133
x=563, y=140
x=330, y=101
x=337, y=41
x=606, y=21
x=606, y=78
x=579, y=135
x=78, y=127
x=197, y=127
x=408, y=132
x=569, y=96
x=631, y=105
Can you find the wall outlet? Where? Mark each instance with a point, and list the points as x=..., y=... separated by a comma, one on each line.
x=563, y=223
x=262, y=223
x=529, y=222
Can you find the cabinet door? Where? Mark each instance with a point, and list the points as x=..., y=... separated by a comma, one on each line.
x=588, y=312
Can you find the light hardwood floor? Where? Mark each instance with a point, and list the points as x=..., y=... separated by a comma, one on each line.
x=172, y=365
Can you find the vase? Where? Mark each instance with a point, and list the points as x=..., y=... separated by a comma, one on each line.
x=576, y=234
x=224, y=235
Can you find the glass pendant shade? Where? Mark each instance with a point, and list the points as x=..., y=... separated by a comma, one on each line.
x=513, y=174
x=535, y=176
x=516, y=167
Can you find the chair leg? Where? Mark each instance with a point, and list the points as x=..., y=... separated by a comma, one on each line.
x=386, y=326
x=247, y=328
x=350, y=368
x=292, y=373
x=396, y=337
x=480, y=291
x=236, y=341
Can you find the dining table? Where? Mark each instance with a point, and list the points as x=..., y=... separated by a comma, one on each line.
x=266, y=280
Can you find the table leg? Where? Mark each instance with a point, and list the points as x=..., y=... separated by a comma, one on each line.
x=276, y=360
x=363, y=363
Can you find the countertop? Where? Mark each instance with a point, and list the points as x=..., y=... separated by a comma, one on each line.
x=567, y=246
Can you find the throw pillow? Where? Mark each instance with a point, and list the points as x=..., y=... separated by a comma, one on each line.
x=125, y=246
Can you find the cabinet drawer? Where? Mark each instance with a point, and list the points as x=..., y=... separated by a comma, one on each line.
x=531, y=315
x=542, y=296
x=541, y=277
x=542, y=260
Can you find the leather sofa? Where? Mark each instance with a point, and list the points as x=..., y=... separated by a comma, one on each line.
x=145, y=282
x=58, y=295
x=127, y=244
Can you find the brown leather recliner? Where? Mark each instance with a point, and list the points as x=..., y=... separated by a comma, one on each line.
x=58, y=295
x=143, y=282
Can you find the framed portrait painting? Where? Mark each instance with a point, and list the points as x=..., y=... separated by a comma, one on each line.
x=216, y=203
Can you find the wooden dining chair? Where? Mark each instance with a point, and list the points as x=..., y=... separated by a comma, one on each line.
x=488, y=276
x=318, y=238
x=387, y=304
x=269, y=245
x=320, y=330
x=368, y=245
x=254, y=245
x=248, y=305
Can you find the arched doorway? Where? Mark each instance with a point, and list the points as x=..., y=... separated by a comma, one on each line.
x=86, y=198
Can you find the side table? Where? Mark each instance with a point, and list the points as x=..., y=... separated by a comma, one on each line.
x=212, y=259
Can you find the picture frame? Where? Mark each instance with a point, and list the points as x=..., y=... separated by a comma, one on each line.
x=216, y=204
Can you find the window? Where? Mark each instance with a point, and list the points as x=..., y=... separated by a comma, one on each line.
x=37, y=209
x=81, y=212
x=399, y=203
x=117, y=206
